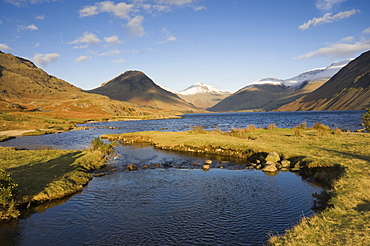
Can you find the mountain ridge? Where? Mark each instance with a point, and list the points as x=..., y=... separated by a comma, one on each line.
x=271, y=93
x=348, y=89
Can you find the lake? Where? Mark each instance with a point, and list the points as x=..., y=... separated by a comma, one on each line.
x=172, y=206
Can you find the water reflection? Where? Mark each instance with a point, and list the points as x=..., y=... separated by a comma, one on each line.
x=169, y=205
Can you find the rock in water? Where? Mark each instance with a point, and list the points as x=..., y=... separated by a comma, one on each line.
x=270, y=167
x=132, y=167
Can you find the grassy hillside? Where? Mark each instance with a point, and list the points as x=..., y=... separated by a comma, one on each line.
x=30, y=98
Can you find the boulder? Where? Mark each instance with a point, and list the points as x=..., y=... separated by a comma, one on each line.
x=272, y=156
x=270, y=167
x=206, y=167
x=285, y=164
x=209, y=162
x=132, y=167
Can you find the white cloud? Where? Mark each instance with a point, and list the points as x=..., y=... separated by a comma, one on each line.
x=89, y=11
x=40, y=17
x=89, y=39
x=119, y=61
x=366, y=31
x=135, y=27
x=111, y=52
x=339, y=50
x=113, y=40
x=44, y=59
x=327, y=4
x=31, y=27
x=328, y=18
x=348, y=39
x=5, y=47
x=83, y=58
x=120, y=10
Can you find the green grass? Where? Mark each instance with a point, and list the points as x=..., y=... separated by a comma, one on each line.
x=343, y=159
x=43, y=175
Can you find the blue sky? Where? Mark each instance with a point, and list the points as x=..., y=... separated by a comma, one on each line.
x=224, y=43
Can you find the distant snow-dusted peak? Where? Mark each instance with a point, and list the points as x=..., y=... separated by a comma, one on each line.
x=202, y=88
x=310, y=75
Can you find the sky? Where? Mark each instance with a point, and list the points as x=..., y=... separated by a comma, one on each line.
x=176, y=43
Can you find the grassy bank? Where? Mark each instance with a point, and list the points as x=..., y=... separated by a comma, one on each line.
x=34, y=176
x=322, y=153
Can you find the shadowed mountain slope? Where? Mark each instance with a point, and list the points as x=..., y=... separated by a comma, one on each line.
x=137, y=88
x=271, y=93
x=349, y=89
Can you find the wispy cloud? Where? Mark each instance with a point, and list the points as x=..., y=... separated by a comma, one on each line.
x=328, y=18
x=87, y=39
x=82, y=58
x=31, y=27
x=327, y=4
x=45, y=59
x=111, y=52
x=5, y=47
x=366, y=31
x=113, y=40
x=339, y=50
x=40, y=17
x=119, y=61
x=167, y=37
x=348, y=39
x=135, y=26
x=120, y=10
x=134, y=12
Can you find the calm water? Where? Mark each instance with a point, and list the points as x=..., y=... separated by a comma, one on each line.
x=171, y=206
x=350, y=120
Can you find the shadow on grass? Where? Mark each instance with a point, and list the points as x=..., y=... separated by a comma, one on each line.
x=363, y=207
x=353, y=155
x=33, y=178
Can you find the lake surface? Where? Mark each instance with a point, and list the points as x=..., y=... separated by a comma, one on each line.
x=350, y=120
x=172, y=206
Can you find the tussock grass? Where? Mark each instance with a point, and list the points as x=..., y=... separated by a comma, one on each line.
x=271, y=126
x=346, y=155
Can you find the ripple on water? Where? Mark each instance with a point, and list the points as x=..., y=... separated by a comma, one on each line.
x=174, y=207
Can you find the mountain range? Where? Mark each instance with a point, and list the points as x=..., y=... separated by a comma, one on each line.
x=25, y=88
x=343, y=85
x=271, y=93
x=347, y=89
